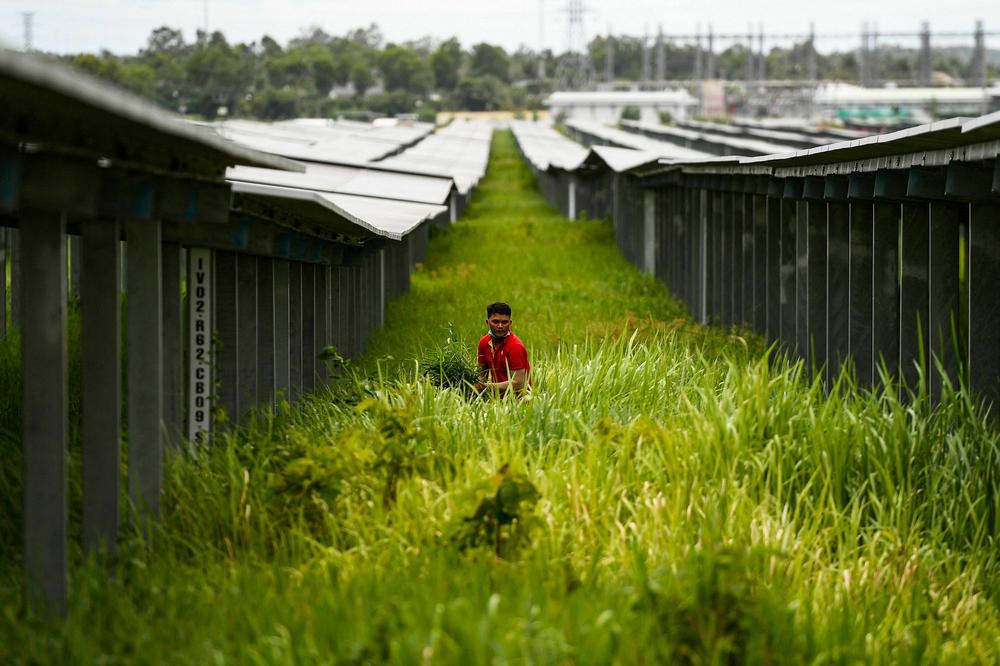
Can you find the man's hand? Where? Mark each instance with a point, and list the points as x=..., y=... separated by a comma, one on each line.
x=479, y=387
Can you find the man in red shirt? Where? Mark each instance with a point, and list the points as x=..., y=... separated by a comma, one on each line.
x=502, y=357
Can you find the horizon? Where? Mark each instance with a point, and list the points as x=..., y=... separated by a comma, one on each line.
x=123, y=26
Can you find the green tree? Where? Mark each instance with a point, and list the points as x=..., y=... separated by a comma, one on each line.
x=270, y=48
x=290, y=69
x=104, y=66
x=402, y=69
x=445, y=62
x=167, y=40
x=324, y=71
x=361, y=77
x=481, y=93
x=274, y=104
x=139, y=78
x=489, y=60
x=219, y=75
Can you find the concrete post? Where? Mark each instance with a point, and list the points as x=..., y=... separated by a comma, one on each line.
x=145, y=366
x=100, y=308
x=45, y=403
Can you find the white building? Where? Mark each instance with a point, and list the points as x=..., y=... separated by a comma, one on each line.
x=607, y=107
x=942, y=101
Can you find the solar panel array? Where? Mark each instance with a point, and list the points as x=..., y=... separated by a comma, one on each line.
x=597, y=133
x=460, y=149
x=710, y=142
x=320, y=140
x=544, y=147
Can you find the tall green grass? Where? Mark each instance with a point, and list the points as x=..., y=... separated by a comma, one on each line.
x=699, y=501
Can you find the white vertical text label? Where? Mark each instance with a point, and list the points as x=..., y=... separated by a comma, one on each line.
x=200, y=387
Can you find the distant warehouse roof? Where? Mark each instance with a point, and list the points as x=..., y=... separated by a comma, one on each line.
x=622, y=98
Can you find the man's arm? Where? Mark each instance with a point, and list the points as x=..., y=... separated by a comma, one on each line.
x=517, y=381
x=484, y=378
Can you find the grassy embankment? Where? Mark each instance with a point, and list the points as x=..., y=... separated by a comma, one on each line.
x=678, y=497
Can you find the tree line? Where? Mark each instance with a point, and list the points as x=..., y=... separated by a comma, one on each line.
x=318, y=74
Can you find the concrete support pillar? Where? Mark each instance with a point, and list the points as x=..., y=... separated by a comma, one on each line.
x=983, y=275
x=266, y=347
x=382, y=298
x=571, y=206
x=309, y=316
x=816, y=305
x=649, y=232
x=838, y=242
x=747, y=244
x=145, y=366
x=14, y=248
x=282, y=323
x=100, y=309
x=173, y=363
x=227, y=333
x=322, y=320
x=4, y=255
x=787, y=249
x=773, y=294
x=860, y=291
x=943, y=321
x=295, y=329
x=802, y=278
x=702, y=255
x=914, y=341
x=74, y=268
x=45, y=402
x=246, y=323
x=760, y=229
x=885, y=287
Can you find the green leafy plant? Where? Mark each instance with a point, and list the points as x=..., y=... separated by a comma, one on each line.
x=396, y=441
x=631, y=113
x=450, y=365
x=503, y=519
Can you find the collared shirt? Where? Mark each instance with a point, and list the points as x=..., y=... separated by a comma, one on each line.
x=503, y=354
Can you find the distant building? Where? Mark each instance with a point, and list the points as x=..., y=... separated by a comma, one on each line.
x=832, y=97
x=607, y=106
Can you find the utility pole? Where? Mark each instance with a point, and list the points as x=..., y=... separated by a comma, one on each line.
x=876, y=67
x=29, y=20
x=711, y=54
x=609, y=57
x=645, y=56
x=811, y=56
x=661, y=56
x=863, y=65
x=699, y=72
x=750, y=55
x=925, y=64
x=761, y=60
x=979, y=57
x=541, y=39
x=811, y=69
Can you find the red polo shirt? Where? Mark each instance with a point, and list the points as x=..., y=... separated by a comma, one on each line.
x=503, y=354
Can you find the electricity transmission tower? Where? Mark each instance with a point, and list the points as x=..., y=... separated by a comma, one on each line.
x=29, y=19
x=574, y=71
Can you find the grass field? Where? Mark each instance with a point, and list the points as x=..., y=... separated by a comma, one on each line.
x=667, y=494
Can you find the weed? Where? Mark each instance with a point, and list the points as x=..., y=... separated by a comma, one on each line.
x=450, y=365
x=502, y=520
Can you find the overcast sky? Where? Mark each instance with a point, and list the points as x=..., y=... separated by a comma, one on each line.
x=122, y=26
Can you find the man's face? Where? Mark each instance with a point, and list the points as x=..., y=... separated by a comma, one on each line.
x=499, y=324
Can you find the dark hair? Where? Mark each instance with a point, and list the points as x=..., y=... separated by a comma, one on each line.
x=497, y=308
